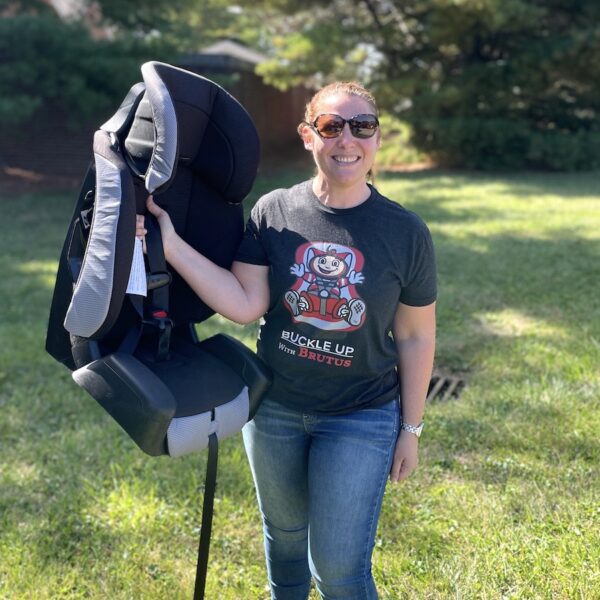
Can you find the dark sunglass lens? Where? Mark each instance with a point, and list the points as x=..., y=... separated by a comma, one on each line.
x=363, y=126
x=329, y=126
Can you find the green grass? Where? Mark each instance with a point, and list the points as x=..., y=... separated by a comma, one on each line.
x=504, y=504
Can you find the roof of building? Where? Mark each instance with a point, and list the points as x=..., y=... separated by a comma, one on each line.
x=236, y=50
x=225, y=54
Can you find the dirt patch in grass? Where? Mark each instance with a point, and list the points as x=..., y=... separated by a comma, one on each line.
x=15, y=182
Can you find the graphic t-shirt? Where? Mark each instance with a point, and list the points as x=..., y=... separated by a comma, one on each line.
x=336, y=277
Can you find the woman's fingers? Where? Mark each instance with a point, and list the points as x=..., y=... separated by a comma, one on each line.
x=140, y=230
x=153, y=207
x=405, y=457
x=164, y=221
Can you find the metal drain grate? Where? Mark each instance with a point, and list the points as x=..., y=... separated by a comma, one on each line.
x=443, y=387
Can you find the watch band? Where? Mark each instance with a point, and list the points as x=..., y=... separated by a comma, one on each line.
x=414, y=429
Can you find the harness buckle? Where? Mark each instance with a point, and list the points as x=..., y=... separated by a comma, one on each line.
x=161, y=321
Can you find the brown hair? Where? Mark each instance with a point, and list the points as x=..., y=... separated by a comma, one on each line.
x=351, y=88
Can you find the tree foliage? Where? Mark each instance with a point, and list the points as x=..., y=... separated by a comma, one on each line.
x=84, y=63
x=483, y=83
x=46, y=63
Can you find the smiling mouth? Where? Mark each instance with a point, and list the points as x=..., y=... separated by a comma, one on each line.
x=346, y=160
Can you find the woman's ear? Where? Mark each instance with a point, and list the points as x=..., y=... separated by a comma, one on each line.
x=306, y=134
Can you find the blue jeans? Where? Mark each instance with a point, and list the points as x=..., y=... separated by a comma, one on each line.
x=320, y=482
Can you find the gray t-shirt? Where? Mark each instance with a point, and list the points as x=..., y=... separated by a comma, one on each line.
x=336, y=277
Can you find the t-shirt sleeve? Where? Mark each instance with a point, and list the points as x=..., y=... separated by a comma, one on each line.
x=422, y=287
x=251, y=249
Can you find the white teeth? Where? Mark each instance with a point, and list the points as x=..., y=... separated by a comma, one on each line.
x=345, y=159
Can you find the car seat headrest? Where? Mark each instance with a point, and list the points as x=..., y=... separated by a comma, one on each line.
x=178, y=117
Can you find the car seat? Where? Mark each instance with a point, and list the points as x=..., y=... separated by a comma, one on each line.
x=120, y=320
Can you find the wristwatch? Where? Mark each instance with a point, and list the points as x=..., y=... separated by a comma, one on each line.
x=415, y=429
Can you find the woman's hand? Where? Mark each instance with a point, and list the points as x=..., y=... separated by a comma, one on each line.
x=240, y=294
x=405, y=456
x=167, y=230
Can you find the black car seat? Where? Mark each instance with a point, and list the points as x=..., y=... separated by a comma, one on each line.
x=120, y=320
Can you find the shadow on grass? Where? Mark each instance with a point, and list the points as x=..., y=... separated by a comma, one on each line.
x=551, y=286
x=76, y=484
x=514, y=183
x=434, y=194
x=551, y=281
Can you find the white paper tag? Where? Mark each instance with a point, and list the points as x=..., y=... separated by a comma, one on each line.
x=137, y=276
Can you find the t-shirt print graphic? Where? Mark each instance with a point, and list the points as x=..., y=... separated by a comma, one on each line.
x=324, y=293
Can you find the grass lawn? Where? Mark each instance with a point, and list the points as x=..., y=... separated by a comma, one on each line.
x=505, y=504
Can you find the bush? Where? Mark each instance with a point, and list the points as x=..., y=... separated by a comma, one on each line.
x=46, y=62
x=570, y=151
x=508, y=85
x=506, y=144
x=396, y=147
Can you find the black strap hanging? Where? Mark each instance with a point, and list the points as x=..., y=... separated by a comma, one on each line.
x=210, y=484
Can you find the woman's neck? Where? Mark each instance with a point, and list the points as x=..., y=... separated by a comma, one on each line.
x=336, y=197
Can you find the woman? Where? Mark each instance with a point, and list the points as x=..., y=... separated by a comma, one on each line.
x=335, y=269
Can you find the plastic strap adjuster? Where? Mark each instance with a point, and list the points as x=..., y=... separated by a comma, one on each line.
x=161, y=320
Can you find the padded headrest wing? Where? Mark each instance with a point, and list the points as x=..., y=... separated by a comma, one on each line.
x=186, y=119
x=100, y=288
x=164, y=156
x=122, y=119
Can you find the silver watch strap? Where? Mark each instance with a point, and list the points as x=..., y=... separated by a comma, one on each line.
x=415, y=429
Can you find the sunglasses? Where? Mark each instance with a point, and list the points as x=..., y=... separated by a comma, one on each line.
x=330, y=125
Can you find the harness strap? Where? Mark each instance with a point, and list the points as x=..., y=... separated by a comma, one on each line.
x=158, y=288
x=159, y=295
x=210, y=483
x=156, y=317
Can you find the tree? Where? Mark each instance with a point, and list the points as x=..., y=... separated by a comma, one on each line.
x=483, y=83
x=47, y=63
x=83, y=63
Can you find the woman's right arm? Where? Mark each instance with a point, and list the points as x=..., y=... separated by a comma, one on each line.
x=240, y=294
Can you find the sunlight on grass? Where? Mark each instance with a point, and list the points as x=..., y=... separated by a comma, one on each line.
x=510, y=322
x=20, y=472
x=45, y=271
x=129, y=508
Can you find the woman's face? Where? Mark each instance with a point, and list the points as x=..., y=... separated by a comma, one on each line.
x=343, y=161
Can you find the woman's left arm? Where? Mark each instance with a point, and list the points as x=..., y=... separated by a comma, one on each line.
x=414, y=334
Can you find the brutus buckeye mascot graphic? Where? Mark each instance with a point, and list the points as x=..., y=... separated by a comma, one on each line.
x=324, y=293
